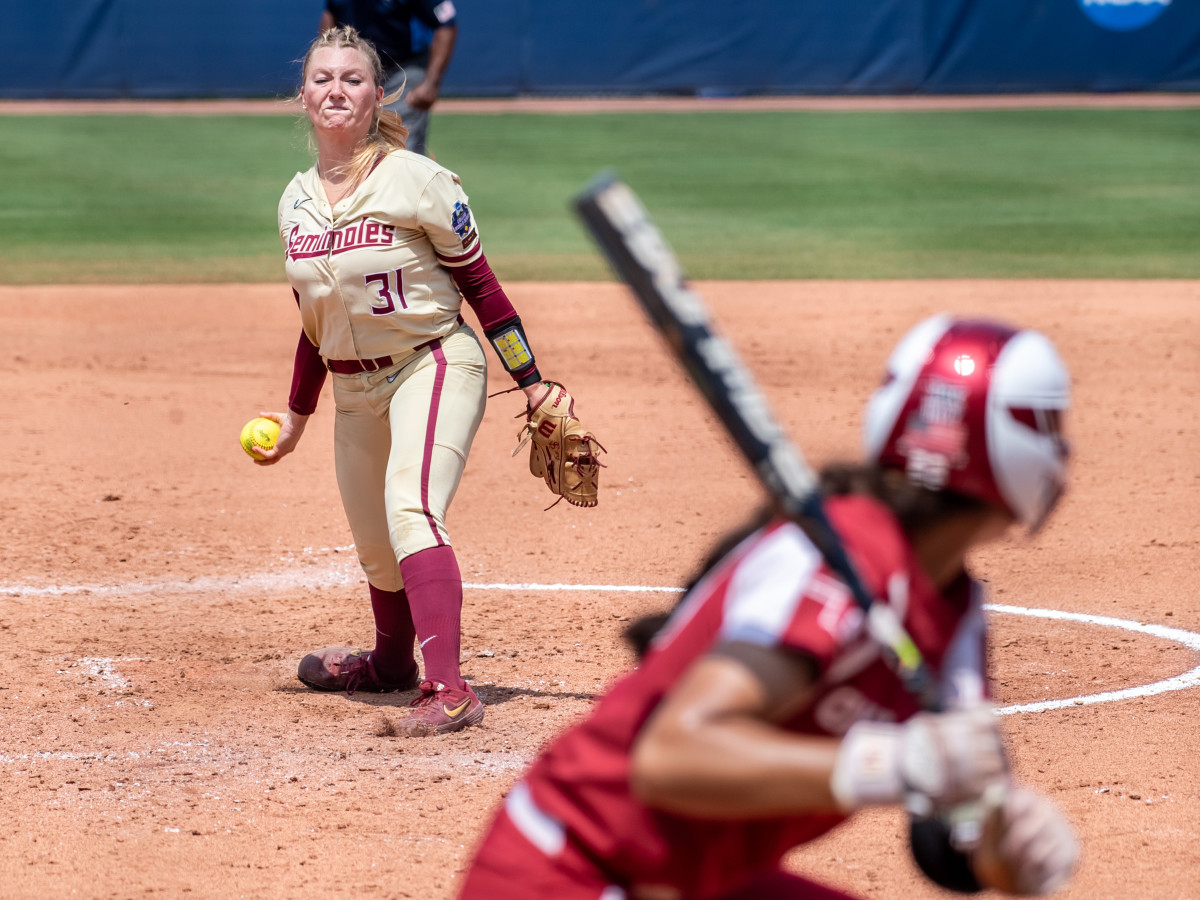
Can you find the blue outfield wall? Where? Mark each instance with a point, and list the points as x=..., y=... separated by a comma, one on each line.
x=222, y=48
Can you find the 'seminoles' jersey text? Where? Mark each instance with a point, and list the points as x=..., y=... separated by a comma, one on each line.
x=363, y=233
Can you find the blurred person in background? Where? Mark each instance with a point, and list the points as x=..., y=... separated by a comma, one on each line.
x=415, y=40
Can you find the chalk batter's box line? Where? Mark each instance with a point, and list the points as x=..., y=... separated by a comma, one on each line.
x=1180, y=682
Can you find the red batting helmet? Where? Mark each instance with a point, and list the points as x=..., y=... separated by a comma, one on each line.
x=975, y=407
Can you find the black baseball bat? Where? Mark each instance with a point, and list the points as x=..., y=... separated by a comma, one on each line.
x=642, y=259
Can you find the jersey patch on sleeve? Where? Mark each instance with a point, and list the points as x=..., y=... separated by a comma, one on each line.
x=445, y=12
x=511, y=346
x=460, y=221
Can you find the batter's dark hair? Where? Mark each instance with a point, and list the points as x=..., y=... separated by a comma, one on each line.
x=915, y=508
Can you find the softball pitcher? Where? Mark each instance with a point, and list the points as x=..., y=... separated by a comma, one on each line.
x=381, y=248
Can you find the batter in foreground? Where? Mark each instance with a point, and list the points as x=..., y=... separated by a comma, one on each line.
x=763, y=713
x=381, y=249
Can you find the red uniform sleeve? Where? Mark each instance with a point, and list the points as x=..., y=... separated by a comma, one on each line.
x=482, y=291
x=825, y=621
x=308, y=377
x=781, y=594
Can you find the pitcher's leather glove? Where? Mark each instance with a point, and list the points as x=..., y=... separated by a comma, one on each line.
x=561, y=450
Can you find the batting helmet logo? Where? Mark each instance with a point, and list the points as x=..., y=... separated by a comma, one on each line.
x=990, y=428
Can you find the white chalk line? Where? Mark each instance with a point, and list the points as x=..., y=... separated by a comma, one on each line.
x=628, y=588
x=302, y=577
x=1188, y=679
x=327, y=577
x=289, y=580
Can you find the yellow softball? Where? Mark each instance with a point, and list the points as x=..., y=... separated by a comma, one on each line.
x=258, y=434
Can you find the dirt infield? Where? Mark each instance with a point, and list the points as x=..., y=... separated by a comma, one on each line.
x=157, y=590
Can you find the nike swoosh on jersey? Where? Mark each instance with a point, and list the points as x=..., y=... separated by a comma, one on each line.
x=392, y=377
x=296, y=205
x=454, y=713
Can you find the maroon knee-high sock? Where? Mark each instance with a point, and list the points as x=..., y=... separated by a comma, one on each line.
x=394, y=635
x=434, y=587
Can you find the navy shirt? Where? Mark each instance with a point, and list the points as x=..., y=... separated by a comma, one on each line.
x=399, y=29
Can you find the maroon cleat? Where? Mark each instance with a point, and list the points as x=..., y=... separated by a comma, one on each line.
x=349, y=670
x=439, y=710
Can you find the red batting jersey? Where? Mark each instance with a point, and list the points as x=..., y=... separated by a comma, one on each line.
x=774, y=590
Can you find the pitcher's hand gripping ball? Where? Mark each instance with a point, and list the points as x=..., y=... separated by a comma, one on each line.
x=561, y=450
x=259, y=434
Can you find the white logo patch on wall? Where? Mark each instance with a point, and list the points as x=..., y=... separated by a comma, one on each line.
x=1123, y=15
x=460, y=221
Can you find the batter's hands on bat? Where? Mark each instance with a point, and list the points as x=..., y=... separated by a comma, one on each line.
x=944, y=759
x=291, y=427
x=1027, y=846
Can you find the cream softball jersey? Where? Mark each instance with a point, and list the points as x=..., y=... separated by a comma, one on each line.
x=370, y=271
x=380, y=278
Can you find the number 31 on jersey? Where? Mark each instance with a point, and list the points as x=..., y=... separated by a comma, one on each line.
x=390, y=288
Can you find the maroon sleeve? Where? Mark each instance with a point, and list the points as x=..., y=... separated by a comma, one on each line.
x=480, y=288
x=308, y=377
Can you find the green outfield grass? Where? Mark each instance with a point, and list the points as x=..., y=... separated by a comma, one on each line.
x=1045, y=193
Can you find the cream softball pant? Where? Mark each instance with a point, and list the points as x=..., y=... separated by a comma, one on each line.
x=401, y=439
